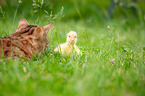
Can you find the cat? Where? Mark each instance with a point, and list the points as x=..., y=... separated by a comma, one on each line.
x=28, y=40
x=69, y=46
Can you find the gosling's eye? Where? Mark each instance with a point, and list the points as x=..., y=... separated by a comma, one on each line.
x=68, y=36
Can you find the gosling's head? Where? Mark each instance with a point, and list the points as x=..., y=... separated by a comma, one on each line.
x=72, y=37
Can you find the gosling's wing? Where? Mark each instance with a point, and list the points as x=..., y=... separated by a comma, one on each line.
x=58, y=49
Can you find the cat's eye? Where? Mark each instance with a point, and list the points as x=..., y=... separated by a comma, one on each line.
x=75, y=36
x=68, y=36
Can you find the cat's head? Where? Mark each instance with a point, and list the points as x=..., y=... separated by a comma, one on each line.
x=41, y=33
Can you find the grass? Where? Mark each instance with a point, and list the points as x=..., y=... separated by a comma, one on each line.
x=112, y=63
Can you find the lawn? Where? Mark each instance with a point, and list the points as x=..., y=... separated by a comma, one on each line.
x=112, y=61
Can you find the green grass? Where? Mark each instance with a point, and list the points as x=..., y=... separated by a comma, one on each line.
x=112, y=63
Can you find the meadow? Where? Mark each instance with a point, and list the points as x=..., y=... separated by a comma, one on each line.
x=112, y=61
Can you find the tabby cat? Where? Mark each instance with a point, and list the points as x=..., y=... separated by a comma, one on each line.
x=28, y=40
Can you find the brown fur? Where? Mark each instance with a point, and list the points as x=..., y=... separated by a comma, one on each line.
x=28, y=40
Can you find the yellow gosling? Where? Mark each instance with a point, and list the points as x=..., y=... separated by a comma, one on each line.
x=69, y=46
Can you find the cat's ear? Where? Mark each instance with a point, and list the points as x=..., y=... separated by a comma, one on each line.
x=47, y=27
x=22, y=22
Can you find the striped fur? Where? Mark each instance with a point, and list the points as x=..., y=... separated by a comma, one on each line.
x=28, y=40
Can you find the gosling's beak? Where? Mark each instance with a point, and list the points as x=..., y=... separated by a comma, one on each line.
x=72, y=40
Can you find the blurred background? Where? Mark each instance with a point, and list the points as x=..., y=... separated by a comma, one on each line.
x=88, y=10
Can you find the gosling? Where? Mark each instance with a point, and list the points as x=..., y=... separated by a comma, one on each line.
x=70, y=45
